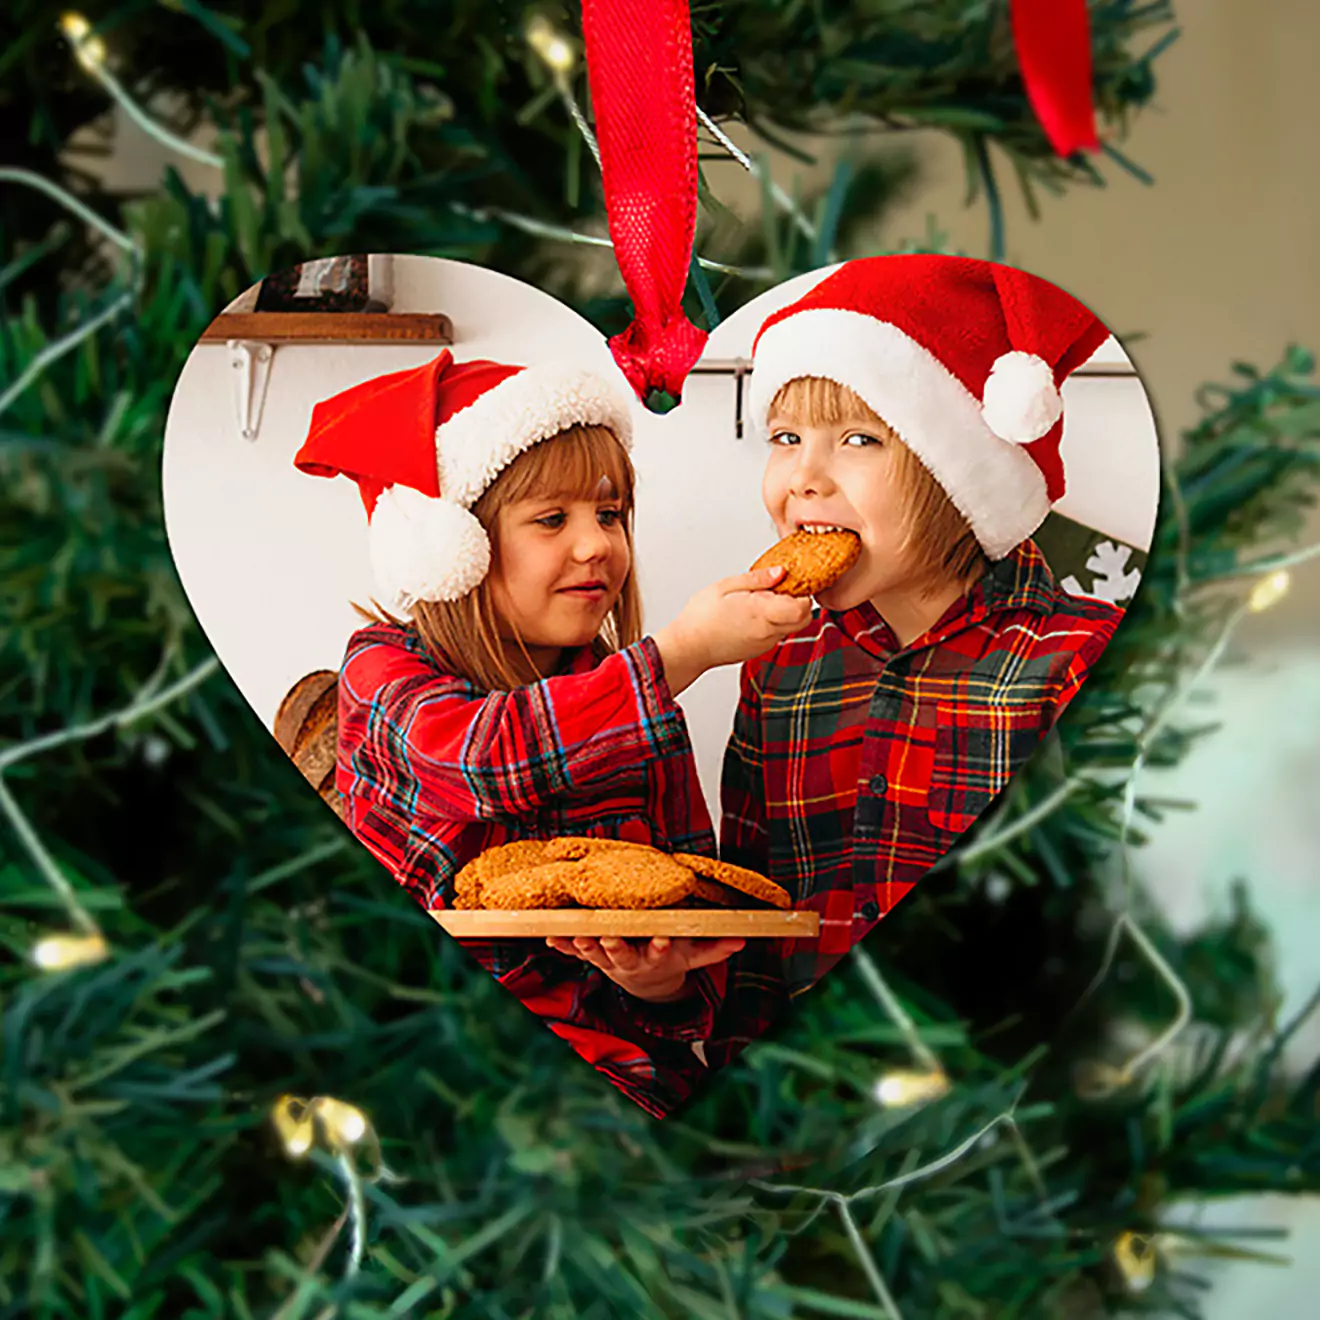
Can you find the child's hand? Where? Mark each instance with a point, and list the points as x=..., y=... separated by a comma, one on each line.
x=657, y=972
x=735, y=619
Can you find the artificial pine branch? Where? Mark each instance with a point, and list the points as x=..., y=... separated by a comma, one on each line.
x=253, y=952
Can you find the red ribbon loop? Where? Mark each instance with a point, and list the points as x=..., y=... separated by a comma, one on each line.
x=639, y=65
x=1053, y=40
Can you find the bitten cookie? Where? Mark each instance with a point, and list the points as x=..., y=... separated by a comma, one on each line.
x=814, y=560
x=736, y=877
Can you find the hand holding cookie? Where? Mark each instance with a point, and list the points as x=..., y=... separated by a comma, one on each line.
x=733, y=620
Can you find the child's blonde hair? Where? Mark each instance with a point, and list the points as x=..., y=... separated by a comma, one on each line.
x=463, y=635
x=938, y=540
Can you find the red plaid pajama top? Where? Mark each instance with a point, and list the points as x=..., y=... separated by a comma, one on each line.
x=855, y=764
x=434, y=771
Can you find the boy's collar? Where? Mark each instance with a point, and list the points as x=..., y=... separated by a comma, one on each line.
x=1020, y=581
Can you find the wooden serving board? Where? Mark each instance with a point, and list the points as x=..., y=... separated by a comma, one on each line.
x=699, y=923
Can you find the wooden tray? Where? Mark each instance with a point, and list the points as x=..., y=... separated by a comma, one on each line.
x=701, y=923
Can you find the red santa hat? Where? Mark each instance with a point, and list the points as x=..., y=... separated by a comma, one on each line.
x=964, y=359
x=424, y=444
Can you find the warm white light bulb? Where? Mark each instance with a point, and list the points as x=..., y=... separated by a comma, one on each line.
x=345, y=1125
x=88, y=50
x=896, y=1090
x=559, y=55
x=1134, y=1254
x=555, y=50
x=1269, y=591
x=58, y=953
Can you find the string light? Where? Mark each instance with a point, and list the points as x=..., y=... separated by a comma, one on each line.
x=342, y=1127
x=1135, y=1256
x=556, y=51
x=89, y=51
x=88, y=48
x=296, y=1120
x=905, y=1086
x=1269, y=591
x=345, y=1125
x=60, y=953
x=297, y=1130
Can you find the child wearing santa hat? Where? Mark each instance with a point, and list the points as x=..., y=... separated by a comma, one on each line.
x=914, y=401
x=503, y=688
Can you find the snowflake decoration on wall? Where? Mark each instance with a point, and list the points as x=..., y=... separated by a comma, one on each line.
x=1111, y=579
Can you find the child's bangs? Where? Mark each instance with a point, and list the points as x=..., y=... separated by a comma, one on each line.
x=816, y=401
x=570, y=466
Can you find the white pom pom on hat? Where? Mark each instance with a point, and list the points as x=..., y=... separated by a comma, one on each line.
x=425, y=549
x=1021, y=402
x=424, y=444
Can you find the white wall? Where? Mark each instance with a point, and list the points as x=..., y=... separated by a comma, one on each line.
x=270, y=557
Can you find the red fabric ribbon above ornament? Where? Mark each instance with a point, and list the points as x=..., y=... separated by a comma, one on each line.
x=639, y=65
x=1053, y=40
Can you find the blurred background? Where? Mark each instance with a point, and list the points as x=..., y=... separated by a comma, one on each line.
x=1217, y=261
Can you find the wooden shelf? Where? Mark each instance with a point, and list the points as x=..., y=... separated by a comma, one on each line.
x=704, y=923
x=331, y=328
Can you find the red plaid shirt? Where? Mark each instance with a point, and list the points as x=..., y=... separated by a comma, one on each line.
x=855, y=764
x=435, y=770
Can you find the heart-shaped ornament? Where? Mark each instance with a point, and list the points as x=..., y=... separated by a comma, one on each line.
x=422, y=519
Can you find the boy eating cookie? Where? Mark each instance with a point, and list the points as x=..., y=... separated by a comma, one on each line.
x=913, y=402
x=913, y=416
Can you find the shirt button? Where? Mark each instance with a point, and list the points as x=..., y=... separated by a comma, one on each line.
x=879, y=785
x=870, y=912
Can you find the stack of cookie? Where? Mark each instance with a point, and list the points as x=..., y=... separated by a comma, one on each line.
x=607, y=874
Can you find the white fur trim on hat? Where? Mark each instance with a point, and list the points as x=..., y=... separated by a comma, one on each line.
x=994, y=484
x=477, y=443
x=425, y=549
x=1020, y=401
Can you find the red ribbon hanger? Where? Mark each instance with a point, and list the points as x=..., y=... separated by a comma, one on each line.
x=1053, y=40
x=639, y=66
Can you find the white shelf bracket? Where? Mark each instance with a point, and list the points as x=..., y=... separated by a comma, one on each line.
x=250, y=362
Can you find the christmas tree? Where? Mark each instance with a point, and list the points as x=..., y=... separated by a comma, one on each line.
x=242, y=1074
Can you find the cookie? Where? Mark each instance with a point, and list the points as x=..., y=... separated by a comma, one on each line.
x=630, y=878
x=493, y=863
x=546, y=886
x=709, y=892
x=736, y=877
x=814, y=560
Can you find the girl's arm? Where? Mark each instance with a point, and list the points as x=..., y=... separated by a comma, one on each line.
x=508, y=754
